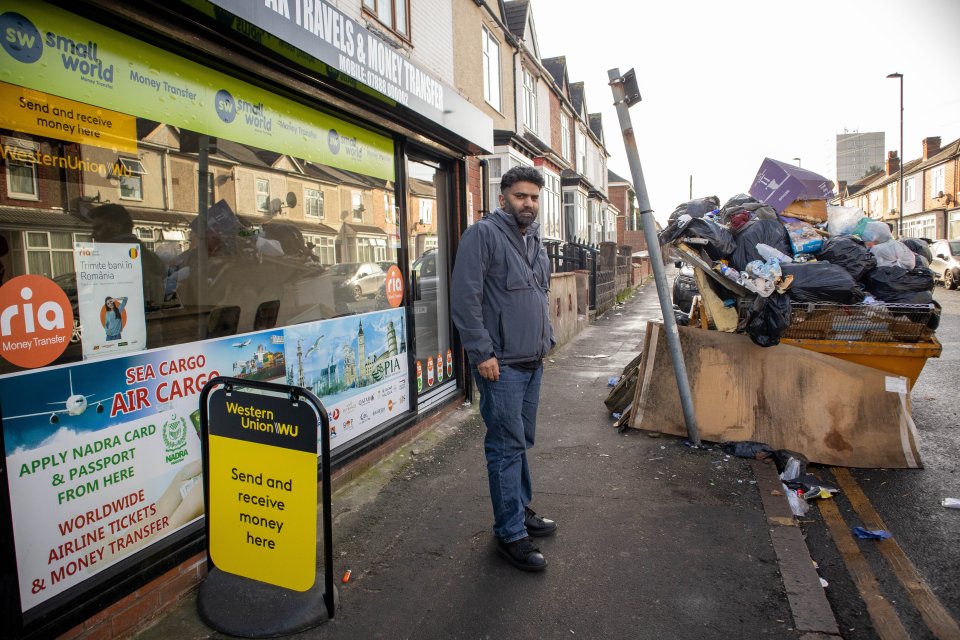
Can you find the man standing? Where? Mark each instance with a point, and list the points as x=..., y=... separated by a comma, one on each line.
x=112, y=223
x=499, y=302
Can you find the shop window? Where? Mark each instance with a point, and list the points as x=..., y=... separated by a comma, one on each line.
x=131, y=174
x=313, y=203
x=20, y=156
x=491, y=69
x=263, y=195
x=393, y=14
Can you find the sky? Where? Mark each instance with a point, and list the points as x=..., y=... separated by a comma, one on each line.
x=725, y=84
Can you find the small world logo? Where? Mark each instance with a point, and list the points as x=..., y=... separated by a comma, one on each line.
x=21, y=39
x=175, y=439
x=333, y=141
x=225, y=105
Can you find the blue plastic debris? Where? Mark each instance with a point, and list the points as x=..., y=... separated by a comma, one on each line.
x=612, y=382
x=871, y=534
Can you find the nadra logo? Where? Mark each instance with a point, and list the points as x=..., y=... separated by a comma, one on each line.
x=36, y=321
x=20, y=39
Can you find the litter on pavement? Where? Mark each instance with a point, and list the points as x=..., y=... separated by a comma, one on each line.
x=951, y=503
x=871, y=534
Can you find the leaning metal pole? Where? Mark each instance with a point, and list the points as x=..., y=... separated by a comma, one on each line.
x=623, y=103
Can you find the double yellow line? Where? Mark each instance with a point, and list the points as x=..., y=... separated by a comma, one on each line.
x=884, y=617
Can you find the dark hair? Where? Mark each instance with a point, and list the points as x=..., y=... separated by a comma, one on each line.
x=114, y=213
x=520, y=174
x=115, y=310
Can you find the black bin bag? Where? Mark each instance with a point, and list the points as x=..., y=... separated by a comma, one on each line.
x=695, y=208
x=821, y=282
x=769, y=232
x=767, y=319
x=849, y=253
x=720, y=241
x=897, y=285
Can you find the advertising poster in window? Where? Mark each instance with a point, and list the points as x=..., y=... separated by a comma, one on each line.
x=357, y=365
x=103, y=457
x=110, y=298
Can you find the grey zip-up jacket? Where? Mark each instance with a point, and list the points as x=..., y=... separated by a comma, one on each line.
x=499, y=292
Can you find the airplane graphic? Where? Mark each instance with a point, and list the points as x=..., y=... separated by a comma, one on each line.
x=241, y=345
x=74, y=405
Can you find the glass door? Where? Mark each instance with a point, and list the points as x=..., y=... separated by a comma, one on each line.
x=429, y=207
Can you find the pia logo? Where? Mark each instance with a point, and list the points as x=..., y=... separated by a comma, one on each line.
x=20, y=38
x=225, y=105
x=36, y=321
x=333, y=141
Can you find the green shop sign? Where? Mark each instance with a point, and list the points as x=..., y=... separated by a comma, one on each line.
x=50, y=50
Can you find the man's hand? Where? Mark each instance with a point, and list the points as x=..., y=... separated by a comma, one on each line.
x=489, y=369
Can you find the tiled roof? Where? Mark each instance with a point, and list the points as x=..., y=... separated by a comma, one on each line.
x=557, y=67
x=20, y=217
x=516, y=14
x=576, y=95
x=596, y=125
x=612, y=177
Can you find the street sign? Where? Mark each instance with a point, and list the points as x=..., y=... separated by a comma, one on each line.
x=263, y=487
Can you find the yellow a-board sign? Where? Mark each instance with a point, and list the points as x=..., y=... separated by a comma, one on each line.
x=263, y=488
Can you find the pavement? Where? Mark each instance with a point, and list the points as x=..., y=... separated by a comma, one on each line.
x=655, y=539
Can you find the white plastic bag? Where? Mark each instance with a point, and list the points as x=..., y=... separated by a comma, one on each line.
x=842, y=220
x=876, y=233
x=894, y=253
x=269, y=248
x=951, y=503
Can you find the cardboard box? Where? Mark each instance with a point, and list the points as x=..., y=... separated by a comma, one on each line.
x=813, y=211
x=779, y=184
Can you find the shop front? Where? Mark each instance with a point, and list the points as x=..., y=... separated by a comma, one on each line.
x=203, y=189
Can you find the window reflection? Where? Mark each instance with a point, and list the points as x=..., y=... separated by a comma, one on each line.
x=286, y=240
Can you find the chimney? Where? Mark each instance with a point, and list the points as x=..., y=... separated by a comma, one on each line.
x=931, y=147
x=893, y=163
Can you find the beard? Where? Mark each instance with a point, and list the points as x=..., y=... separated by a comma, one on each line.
x=524, y=217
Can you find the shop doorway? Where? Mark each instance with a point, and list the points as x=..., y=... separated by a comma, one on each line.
x=430, y=207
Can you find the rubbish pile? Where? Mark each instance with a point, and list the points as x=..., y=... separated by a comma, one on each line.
x=792, y=265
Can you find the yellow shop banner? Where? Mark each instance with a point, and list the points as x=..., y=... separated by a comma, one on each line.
x=50, y=116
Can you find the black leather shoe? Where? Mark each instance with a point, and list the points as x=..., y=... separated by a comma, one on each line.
x=522, y=554
x=537, y=526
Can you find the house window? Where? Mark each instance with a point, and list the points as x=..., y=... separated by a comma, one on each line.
x=491, y=69
x=147, y=236
x=529, y=100
x=892, y=203
x=372, y=249
x=875, y=211
x=131, y=174
x=581, y=216
x=936, y=182
x=922, y=227
x=426, y=212
x=581, y=152
x=565, y=136
x=394, y=14
x=323, y=248
x=551, y=205
x=263, y=194
x=50, y=253
x=357, y=203
x=313, y=203
x=910, y=189
x=21, y=155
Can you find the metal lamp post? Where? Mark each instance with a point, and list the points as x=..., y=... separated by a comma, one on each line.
x=902, y=157
x=798, y=162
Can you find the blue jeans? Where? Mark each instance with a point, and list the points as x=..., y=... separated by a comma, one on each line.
x=509, y=409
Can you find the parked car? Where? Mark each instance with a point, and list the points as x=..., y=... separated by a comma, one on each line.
x=355, y=280
x=684, y=287
x=946, y=262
